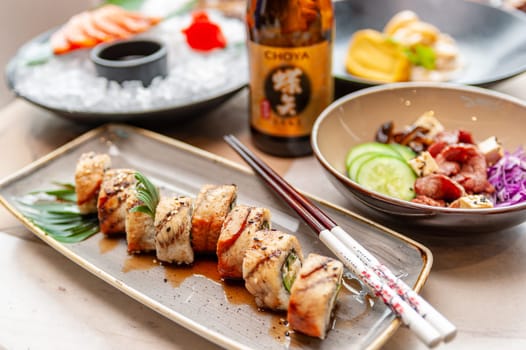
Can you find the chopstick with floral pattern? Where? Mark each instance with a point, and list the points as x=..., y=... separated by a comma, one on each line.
x=428, y=324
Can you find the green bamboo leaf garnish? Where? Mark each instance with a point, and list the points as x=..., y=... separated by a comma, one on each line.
x=57, y=214
x=64, y=185
x=62, y=194
x=148, y=194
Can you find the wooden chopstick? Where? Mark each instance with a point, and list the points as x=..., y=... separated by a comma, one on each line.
x=446, y=329
x=413, y=310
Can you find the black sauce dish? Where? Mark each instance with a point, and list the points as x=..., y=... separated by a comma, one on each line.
x=136, y=59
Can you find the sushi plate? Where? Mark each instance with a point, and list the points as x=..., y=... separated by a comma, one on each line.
x=195, y=297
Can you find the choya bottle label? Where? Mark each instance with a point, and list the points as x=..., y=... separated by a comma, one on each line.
x=289, y=87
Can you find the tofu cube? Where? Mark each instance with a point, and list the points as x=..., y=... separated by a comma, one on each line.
x=428, y=121
x=473, y=201
x=424, y=164
x=492, y=150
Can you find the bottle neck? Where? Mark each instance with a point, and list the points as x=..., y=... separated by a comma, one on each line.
x=289, y=23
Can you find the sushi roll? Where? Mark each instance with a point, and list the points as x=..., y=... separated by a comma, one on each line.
x=313, y=295
x=140, y=229
x=270, y=266
x=212, y=205
x=88, y=178
x=236, y=235
x=111, y=205
x=173, y=219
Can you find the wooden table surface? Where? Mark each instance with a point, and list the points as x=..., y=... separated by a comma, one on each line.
x=477, y=281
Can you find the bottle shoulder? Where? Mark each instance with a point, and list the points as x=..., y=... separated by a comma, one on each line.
x=289, y=23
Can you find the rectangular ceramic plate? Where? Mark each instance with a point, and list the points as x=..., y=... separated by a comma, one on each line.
x=195, y=297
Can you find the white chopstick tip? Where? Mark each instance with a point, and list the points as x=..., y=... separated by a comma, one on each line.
x=442, y=324
x=450, y=335
x=423, y=330
x=434, y=343
x=447, y=330
x=427, y=334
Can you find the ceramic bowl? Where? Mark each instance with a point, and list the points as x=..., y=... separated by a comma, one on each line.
x=137, y=59
x=491, y=40
x=354, y=119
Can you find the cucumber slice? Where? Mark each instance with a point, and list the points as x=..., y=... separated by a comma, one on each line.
x=388, y=175
x=290, y=269
x=369, y=147
x=357, y=162
x=406, y=152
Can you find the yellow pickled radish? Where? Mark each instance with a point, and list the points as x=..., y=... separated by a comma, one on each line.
x=373, y=56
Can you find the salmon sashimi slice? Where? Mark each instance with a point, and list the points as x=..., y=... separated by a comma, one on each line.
x=135, y=25
x=59, y=43
x=76, y=35
x=104, y=24
x=127, y=21
x=106, y=19
x=91, y=30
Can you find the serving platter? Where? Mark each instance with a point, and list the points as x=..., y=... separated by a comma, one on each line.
x=68, y=84
x=491, y=40
x=195, y=297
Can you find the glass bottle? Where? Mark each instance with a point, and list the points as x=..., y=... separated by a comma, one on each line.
x=290, y=59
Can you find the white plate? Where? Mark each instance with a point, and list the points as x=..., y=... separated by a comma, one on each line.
x=196, y=298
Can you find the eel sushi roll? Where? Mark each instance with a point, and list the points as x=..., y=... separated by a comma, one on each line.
x=236, y=235
x=173, y=222
x=114, y=192
x=270, y=266
x=212, y=205
x=88, y=178
x=313, y=295
x=140, y=229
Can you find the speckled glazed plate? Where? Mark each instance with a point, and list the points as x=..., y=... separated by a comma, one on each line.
x=491, y=40
x=195, y=297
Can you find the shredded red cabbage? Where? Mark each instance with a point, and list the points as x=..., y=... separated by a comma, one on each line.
x=508, y=176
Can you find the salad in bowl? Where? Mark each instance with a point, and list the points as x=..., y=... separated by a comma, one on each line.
x=429, y=155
